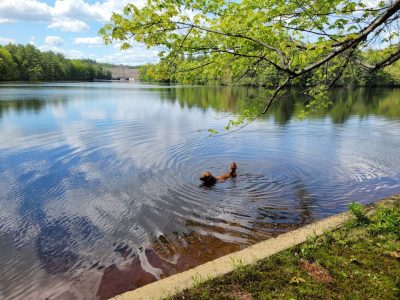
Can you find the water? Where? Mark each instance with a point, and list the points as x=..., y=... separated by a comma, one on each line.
x=100, y=190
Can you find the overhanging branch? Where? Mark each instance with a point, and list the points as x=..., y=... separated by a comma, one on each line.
x=387, y=61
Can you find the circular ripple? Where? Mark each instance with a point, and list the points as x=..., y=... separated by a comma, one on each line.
x=89, y=192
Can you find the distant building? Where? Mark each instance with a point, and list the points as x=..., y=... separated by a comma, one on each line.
x=124, y=73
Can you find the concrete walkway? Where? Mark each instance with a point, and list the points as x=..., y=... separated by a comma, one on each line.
x=225, y=264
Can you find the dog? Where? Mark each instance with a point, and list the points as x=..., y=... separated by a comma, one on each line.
x=209, y=179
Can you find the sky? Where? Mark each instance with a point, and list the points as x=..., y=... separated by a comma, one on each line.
x=69, y=27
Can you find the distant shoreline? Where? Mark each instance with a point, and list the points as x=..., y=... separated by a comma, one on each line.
x=67, y=81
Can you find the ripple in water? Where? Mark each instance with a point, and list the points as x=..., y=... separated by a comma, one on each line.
x=102, y=194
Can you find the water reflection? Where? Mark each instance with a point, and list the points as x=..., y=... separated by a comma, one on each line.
x=21, y=105
x=26, y=105
x=100, y=181
x=345, y=102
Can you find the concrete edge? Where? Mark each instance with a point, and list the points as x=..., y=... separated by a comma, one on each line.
x=225, y=264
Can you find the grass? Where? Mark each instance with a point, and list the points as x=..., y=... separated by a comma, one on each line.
x=361, y=260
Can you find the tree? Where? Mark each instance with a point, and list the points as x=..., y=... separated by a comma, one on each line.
x=309, y=43
x=8, y=69
x=19, y=62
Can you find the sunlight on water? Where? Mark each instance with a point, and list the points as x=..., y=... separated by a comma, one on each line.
x=100, y=190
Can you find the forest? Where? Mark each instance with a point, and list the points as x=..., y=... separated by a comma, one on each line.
x=28, y=63
x=354, y=76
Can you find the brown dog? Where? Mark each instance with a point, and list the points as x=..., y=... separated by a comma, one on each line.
x=209, y=179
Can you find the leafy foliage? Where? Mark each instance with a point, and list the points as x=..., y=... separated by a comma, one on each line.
x=308, y=43
x=386, y=220
x=27, y=63
x=354, y=76
x=8, y=68
x=359, y=211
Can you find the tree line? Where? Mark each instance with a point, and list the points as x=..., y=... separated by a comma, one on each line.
x=355, y=76
x=28, y=63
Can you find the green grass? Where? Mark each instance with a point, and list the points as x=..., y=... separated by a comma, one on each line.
x=358, y=261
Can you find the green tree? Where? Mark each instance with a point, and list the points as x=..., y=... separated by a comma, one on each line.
x=27, y=63
x=310, y=43
x=35, y=73
x=8, y=69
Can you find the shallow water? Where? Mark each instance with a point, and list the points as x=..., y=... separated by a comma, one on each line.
x=99, y=188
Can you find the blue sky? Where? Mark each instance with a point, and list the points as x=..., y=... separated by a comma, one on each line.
x=70, y=27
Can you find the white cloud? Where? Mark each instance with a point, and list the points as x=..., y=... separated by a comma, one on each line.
x=5, y=41
x=91, y=41
x=31, y=10
x=74, y=16
x=137, y=55
x=67, y=53
x=69, y=25
x=37, y=10
x=52, y=40
x=77, y=9
x=105, y=9
x=5, y=21
x=81, y=9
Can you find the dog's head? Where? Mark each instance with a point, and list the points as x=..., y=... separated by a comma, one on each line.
x=208, y=178
x=233, y=169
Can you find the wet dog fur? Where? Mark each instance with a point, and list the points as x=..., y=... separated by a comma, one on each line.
x=209, y=179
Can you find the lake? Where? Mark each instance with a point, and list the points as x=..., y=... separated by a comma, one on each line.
x=100, y=190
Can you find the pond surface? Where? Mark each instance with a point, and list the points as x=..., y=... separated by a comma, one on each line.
x=100, y=190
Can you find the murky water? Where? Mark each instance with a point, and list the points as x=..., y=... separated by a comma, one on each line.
x=100, y=190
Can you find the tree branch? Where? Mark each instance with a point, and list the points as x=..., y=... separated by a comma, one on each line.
x=275, y=94
x=354, y=42
x=238, y=35
x=387, y=61
x=181, y=45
